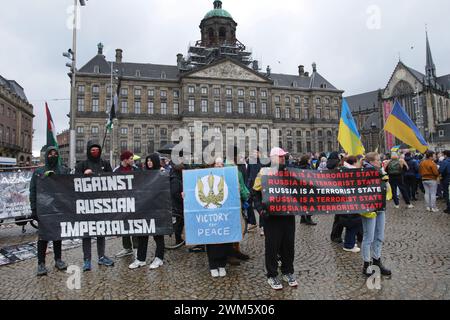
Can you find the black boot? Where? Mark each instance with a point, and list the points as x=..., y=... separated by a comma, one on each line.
x=302, y=219
x=384, y=271
x=365, y=272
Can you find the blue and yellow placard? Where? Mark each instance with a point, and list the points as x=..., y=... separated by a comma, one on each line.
x=212, y=206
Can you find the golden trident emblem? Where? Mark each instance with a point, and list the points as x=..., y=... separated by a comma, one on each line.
x=211, y=198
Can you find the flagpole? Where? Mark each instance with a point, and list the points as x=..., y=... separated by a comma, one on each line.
x=112, y=102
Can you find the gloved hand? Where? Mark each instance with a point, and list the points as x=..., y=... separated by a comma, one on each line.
x=49, y=173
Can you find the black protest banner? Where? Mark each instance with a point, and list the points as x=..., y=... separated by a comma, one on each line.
x=300, y=192
x=15, y=195
x=131, y=204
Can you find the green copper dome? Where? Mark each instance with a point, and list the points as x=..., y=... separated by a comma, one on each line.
x=218, y=11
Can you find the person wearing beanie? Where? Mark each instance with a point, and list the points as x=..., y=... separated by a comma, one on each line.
x=94, y=164
x=127, y=166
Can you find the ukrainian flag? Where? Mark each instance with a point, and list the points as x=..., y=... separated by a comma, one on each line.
x=402, y=127
x=348, y=136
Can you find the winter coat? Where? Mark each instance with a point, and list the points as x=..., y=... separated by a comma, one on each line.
x=96, y=165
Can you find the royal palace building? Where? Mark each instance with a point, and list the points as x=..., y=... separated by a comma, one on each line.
x=217, y=84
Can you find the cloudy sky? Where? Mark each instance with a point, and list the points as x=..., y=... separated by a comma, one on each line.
x=355, y=43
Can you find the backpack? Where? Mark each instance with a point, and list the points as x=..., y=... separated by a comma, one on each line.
x=394, y=168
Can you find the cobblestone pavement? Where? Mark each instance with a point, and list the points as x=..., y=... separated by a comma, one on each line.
x=417, y=249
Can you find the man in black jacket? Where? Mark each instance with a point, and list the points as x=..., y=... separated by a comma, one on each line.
x=51, y=167
x=94, y=164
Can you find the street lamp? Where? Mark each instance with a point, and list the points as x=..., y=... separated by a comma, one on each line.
x=71, y=54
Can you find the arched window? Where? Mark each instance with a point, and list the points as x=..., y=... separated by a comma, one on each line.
x=211, y=36
x=441, y=110
x=222, y=34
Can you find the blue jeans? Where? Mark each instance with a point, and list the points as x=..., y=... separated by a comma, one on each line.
x=373, y=236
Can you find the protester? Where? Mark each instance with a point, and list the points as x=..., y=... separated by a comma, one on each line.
x=305, y=164
x=218, y=253
x=337, y=229
x=410, y=176
x=279, y=230
x=176, y=191
x=351, y=222
x=51, y=167
x=373, y=226
x=444, y=170
x=395, y=168
x=236, y=254
x=94, y=164
x=252, y=171
x=323, y=164
x=430, y=174
x=152, y=163
x=130, y=244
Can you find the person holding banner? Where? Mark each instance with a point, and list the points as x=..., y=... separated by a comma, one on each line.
x=373, y=227
x=305, y=164
x=94, y=164
x=152, y=162
x=279, y=231
x=218, y=253
x=51, y=167
x=127, y=165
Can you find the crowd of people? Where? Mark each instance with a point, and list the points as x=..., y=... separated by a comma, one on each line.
x=406, y=172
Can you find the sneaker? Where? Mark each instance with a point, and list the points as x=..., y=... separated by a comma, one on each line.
x=289, y=278
x=137, y=264
x=355, y=249
x=275, y=283
x=428, y=209
x=214, y=273
x=261, y=232
x=156, y=263
x=252, y=227
x=41, y=270
x=279, y=263
x=410, y=206
x=60, y=265
x=87, y=265
x=105, y=261
x=396, y=206
x=124, y=252
x=435, y=210
x=222, y=272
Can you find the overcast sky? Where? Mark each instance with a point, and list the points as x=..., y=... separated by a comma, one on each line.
x=355, y=43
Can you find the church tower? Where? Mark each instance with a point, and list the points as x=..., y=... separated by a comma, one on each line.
x=218, y=40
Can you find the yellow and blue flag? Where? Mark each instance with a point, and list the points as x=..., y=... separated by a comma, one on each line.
x=348, y=136
x=402, y=127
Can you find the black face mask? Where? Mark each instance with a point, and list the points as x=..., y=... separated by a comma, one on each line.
x=52, y=161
